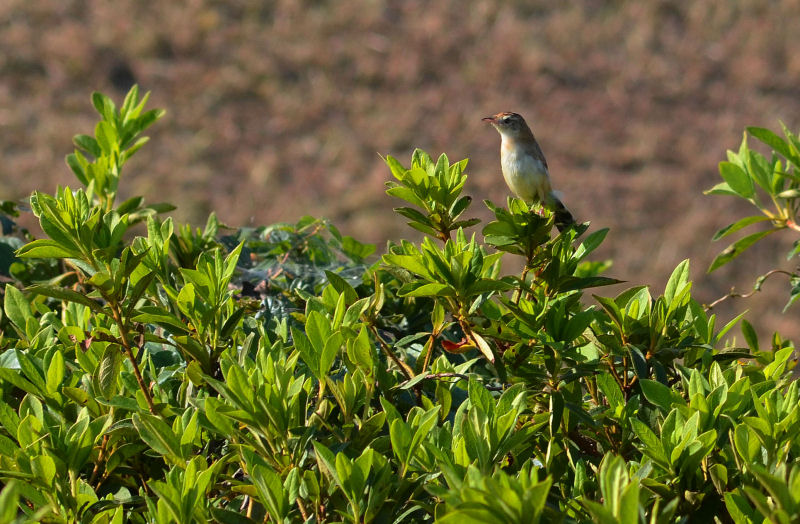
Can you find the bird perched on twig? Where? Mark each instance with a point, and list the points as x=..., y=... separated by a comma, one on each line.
x=524, y=166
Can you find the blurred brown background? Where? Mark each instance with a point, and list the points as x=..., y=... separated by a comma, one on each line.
x=280, y=109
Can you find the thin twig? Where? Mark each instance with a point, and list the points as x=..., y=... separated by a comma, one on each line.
x=100, y=458
x=756, y=289
x=522, y=282
x=460, y=376
x=123, y=333
x=431, y=342
x=386, y=349
x=613, y=370
x=302, y=508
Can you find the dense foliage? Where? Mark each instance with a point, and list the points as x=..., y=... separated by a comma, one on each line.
x=274, y=374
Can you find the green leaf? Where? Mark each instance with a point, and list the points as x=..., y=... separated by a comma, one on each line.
x=776, y=487
x=413, y=214
x=410, y=263
x=231, y=259
x=721, y=189
x=106, y=137
x=677, y=281
x=739, y=224
x=629, y=505
x=423, y=425
x=330, y=351
x=737, y=248
x=16, y=307
x=354, y=312
x=108, y=371
x=650, y=443
x=746, y=442
x=9, y=501
x=55, y=372
x=400, y=436
x=342, y=286
x=13, y=377
x=556, y=412
x=611, y=307
x=572, y=283
x=158, y=435
x=138, y=290
x=88, y=144
x=740, y=510
x=232, y=322
x=428, y=290
x=465, y=223
x=44, y=467
x=408, y=384
x=611, y=390
x=65, y=294
x=772, y=140
x=656, y=393
x=479, y=396
x=31, y=369
x=356, y=250
x=600, y=514
x=186, y=300
x=423, y=228
x=395, y=167
x=459, y=205
x=406, y=194
x=640, y=366
x=307, y=351
x=326, y=459
x=591, y=243
x=737, y=179
x=360, y=350
x=750, y=335
x=318, y=329
x=270, y=491
x=486, y=285
x=76, y=163
x=103, y=105
x=162, y=318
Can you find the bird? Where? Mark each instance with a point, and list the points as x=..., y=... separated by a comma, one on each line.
x=525, y=168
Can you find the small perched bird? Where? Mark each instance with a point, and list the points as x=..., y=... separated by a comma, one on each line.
x=524, y=166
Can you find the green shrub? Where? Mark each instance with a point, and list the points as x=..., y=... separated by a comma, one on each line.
x=274, y=374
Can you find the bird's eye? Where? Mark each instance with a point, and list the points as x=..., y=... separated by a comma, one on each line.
x=506, y=119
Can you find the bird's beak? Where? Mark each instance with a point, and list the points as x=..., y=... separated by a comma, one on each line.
x=488, y=119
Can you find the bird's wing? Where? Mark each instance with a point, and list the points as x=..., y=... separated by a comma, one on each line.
x=537, y=152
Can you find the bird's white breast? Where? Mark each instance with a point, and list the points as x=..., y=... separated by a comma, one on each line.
x=525, y=174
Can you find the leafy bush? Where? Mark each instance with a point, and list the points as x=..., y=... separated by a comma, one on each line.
x=273, y=374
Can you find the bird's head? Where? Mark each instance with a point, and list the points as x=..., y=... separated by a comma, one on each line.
x=508, y=124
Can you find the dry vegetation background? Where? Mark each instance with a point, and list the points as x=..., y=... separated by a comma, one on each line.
x=279, y=109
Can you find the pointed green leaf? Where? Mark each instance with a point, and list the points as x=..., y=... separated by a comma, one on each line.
x=55, y=372
x=737, y=179
x=67, y=295
x=108, y=370
x=737, y=248
x=16, y=307
x=657, y=393
x=739, y=224
x=158, y=435
x=772, y=140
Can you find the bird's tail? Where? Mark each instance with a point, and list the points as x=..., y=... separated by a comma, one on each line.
x=563, y=218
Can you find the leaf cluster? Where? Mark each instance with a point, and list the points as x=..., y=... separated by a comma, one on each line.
x=772, y=185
